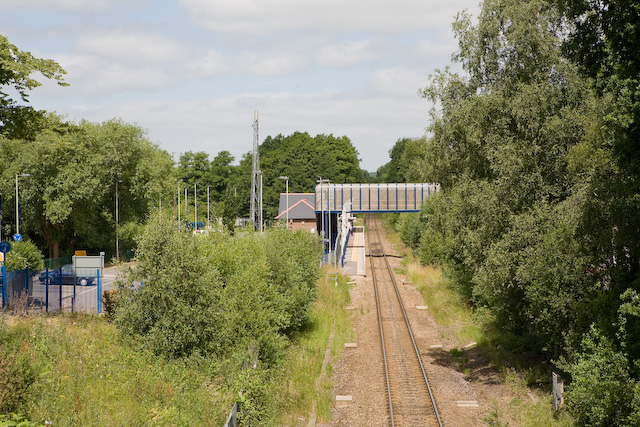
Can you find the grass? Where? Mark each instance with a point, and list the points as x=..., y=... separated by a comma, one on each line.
x=303, y=361
x=526, y=377
x=88, y=374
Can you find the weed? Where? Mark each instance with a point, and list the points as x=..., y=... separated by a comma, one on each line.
x=493, y=418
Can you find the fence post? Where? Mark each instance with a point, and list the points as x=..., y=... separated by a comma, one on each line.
x=558, y=390
x=232, y=421
x=98, y=289
x=46, y=291
x=26, y=280
x=4, y=286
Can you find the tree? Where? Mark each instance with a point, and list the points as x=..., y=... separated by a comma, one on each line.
x=16, y=68
x=220, y=174
x=409, y=158
x=69, y=198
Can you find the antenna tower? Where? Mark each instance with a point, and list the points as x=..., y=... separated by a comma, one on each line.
x=256, y=179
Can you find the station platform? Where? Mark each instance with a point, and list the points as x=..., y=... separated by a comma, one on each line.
x=354, y=259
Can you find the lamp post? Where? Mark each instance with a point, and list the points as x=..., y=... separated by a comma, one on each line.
x=286, y=178
x=178, y=203
x=195, y=207
x=18, y=204
x=327, y=181
x=260, y=202
x=118, y=181
x=208, y=219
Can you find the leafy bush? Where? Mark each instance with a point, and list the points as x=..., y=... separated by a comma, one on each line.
x=17, y=420
x=219, y=295
x=177, y=311
x=602, y=392
x=24, y=254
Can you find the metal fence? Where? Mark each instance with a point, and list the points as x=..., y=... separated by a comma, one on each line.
x=54, y=290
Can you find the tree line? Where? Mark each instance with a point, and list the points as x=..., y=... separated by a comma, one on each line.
x=535, y=145
x=78, y=173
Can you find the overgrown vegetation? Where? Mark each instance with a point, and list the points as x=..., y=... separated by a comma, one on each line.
x=537, y=218
x=236, y=299
x=258, y=340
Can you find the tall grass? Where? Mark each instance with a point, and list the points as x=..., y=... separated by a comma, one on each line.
x=303, y=361
x=87, y=376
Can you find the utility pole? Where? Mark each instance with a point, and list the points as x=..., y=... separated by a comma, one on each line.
x=256, y=179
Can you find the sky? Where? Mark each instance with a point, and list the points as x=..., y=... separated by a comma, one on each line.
x=191, y=73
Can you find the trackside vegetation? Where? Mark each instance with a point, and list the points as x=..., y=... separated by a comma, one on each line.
x=537, y=222
x=218, y=319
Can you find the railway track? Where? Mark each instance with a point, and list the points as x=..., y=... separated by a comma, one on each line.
x=410, y=399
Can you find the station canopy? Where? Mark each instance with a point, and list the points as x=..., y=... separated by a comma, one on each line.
x=392, y=197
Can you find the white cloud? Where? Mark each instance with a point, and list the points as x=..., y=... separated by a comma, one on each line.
x=347, y=54
x=398, y=81
x=270, y=64
x=95, y=76
x=436, y=47
x=209, y=64
x=130, y=47
x=69, y=5
x=252, y=17
x=373, y=123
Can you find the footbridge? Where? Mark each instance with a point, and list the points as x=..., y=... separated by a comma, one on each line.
x=334, y=204
x=395, y=197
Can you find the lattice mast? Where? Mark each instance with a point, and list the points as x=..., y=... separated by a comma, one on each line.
x=256, y=179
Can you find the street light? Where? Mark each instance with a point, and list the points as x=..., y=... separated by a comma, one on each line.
x=17, y=204
x=118, y=181
x=195, y=208
x=178, y=203
x=327, y=181
x=286, y=178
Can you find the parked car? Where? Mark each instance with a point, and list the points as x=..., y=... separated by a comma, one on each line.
x=66, y=271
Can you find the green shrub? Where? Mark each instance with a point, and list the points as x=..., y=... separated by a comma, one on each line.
x=601, y=392
x=17, y=420
x=218, y=294
x=24, y=254
x=16, y=376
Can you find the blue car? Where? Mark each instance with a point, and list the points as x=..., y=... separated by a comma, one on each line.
x=66, y=271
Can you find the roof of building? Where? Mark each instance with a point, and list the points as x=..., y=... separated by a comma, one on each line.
x=301, y=206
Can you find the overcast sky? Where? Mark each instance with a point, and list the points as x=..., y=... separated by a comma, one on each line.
x=192, y=72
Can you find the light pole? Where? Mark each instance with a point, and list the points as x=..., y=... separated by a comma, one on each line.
x=117, y=222
x=178, y=203
x=18, y=204
x=286, y=178
x=327, y=181
x=195, y=208
x=208, y=220
x=260, y=203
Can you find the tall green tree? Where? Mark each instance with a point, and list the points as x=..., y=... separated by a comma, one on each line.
x=408, y=159
x=16, y=70
x=70, y=197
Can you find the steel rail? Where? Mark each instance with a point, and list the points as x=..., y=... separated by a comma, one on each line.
x=384, y=352
x=406, y=321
